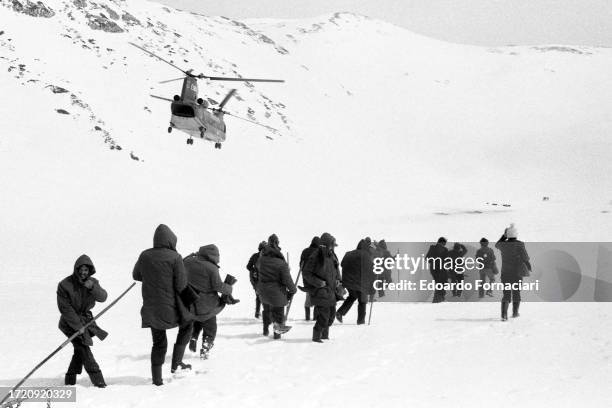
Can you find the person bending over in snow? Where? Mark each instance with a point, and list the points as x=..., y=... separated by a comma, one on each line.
x=275, y=287
x=203, y=277
x=76, y=296
x=163, y=277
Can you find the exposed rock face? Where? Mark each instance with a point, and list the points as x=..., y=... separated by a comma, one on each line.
x=130, y=19
x=112, y=13
x=38, y=9
x=101, y=22
x=81, y=4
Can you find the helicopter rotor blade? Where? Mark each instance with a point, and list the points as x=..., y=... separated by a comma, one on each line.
x=162, y=98
x=159, y=58
x=171, y=80
x=240, y=79
x=251, y=121
x=227, y=98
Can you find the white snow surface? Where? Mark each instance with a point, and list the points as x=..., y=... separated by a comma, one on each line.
x=379, y=132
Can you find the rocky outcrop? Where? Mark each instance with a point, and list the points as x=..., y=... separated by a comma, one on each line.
x=130, y=19
x=38, y=9
x=101, y=22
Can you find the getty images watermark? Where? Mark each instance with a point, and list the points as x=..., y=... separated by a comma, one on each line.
x=457, y=266
x=561, y=271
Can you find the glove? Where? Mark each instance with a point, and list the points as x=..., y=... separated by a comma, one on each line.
x=82, y=331
x=290, y=296
x=88, y=284
x=230, y=280
x=322, y=284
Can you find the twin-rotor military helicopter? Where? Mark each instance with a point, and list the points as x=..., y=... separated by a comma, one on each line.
x=192, y=115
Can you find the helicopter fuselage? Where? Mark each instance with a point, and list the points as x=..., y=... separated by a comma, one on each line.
x=191, y=114
x=198, y=122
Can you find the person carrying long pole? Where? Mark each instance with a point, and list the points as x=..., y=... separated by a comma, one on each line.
x=80, y=332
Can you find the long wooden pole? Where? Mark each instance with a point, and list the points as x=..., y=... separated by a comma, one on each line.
x=64, y=344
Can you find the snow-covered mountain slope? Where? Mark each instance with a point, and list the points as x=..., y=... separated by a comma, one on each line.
x=381, y=132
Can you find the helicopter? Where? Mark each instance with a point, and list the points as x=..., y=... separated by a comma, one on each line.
x=193, y=115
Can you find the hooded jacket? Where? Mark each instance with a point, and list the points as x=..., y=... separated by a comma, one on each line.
x=357, y=270
x=515, y=261
x=487, y=255
x=163, y=277
x=203, y=277
x=435, y=259
x=458, y=251
x=314, y=244
x=75, y=302
x=321, y=277
x=274, y=282
x=252, y=266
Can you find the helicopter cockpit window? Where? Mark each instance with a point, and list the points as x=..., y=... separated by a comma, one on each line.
x=184, y=111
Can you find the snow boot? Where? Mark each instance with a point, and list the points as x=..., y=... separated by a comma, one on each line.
x=266, y=330
x=230, y=280
x=156, y=372
x=280, y=328
x=177, y=358
x=325, y=334
x=97, y=379
x=515, y=309
x=277, y=336
x=207, y=344
x=180, y=367
x=316, y=336
x=504, y=311
x=193, y=344
x=307, y=313
x=339, y=317
x=70, y=379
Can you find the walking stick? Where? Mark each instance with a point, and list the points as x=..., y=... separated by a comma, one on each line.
x=64, y=344
x=371, y=304
x=294, y=284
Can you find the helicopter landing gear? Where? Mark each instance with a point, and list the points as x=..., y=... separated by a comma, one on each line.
x=217, y=145
x=169, y=129
x=190, y=141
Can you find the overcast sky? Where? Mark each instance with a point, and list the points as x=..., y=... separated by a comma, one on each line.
x=482, y=22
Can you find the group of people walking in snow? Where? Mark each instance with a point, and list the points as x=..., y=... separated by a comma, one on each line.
x=189, y=293
x=515, y=266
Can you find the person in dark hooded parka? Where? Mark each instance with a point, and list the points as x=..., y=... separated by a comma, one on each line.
x=322, y=277
x=254, y=276
x=275, y=287
x=314, y=245
x=357, y=278
x=163, y=277
x=203, y=276
x=381, y=251
x=435, y=260
x=489, y=267
x=456, y=273
x=76, y=296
